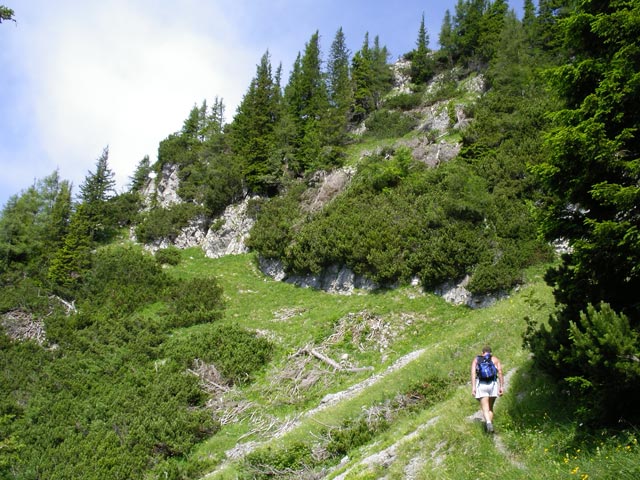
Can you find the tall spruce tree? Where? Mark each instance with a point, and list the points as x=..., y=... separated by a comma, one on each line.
x=362, y=75
x=307, y=105
x=72, y=260
x=339, y=89
x=96, y=190
x=491, y=26
x=446, y=40
x=371, y=77
x=422, y=65
x=252, y=136
x=467, y=28
x=382, y=75
x=592, y=179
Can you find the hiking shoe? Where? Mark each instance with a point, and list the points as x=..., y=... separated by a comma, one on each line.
x=489, y=427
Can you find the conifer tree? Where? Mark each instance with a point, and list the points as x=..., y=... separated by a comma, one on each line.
x=140, y=175
x=467, y=29
x=371, y=77
x=307, y=105
x=422, y=65
x=529, y=20
x=252, y=130
x=60, y=212
x=339, y=89
x=72, y=261
x=33, y=224
x=445, y=39
x=362, y=75
x=382, y=75
x=592, y=182
x=549, y=33
x=95, y=192
x=6, y=14
x=491, y=26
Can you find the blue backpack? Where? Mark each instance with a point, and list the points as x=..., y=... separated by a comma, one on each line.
x=486, y=371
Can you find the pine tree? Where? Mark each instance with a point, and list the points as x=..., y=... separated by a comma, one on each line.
x=73, y=260
x=140, y=175
x=339, y=89
x=445, y=39
x=56, y=224
x=529, y=20
x=467, y=30
x=251, y=133
x=6, y=14
x=307, y=106
x=592, y=181
x=422, y=65
x=362, y=75
x=382, y=75
x=549, y=33
x=95, y=192
x=491, y=26
x=33, y=224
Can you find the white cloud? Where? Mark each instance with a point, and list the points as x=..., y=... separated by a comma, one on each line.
x=117, y=74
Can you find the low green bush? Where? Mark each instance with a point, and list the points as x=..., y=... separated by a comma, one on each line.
x=168, y=256
x=403, y=101
x=194, y=301
x=165, y=222
x=387, y=124
x=282, y=463
x=237, y=353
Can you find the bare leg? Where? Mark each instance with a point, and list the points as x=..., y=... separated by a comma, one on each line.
x=486, y=405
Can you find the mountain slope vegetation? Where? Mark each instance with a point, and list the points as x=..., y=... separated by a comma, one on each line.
x=119, y=363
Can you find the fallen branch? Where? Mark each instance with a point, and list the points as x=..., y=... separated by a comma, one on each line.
x=329, y=361
x=70, y=307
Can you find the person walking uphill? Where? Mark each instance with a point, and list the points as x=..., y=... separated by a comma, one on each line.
x=487, y=383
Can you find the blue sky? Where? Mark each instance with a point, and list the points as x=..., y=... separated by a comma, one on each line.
x=79, y=75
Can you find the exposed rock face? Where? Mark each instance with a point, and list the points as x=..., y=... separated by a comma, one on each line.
x=325, y=186
x=430, y=153
x=228, y=233
x=457, y=294
x=401, y=76
x=436, y=117
x=335, y=279
x=165, y=190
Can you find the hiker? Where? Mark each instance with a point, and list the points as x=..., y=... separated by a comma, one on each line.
x=487, y=383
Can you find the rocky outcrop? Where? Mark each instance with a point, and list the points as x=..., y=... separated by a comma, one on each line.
x=335, y=279
x=324, y=186
x=401, y=71
x=228, y=233
x=457, y=294
x=430, y=153
x=164, y=190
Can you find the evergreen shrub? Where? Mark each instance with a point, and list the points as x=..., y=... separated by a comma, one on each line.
x=388, y=124
x=194, y=301
x=161, y=223
x=237, y=353
x=403, y=101
x=168, y=256
x=122, y=278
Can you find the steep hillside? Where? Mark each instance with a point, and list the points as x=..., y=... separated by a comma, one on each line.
x=377, y=386
x=404, y=208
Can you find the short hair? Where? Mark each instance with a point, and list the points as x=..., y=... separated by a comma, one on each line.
x=486, y=349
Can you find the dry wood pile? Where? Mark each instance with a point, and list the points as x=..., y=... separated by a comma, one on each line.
x=22, y=326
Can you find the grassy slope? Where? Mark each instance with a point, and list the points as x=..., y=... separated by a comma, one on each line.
x=535, y=438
